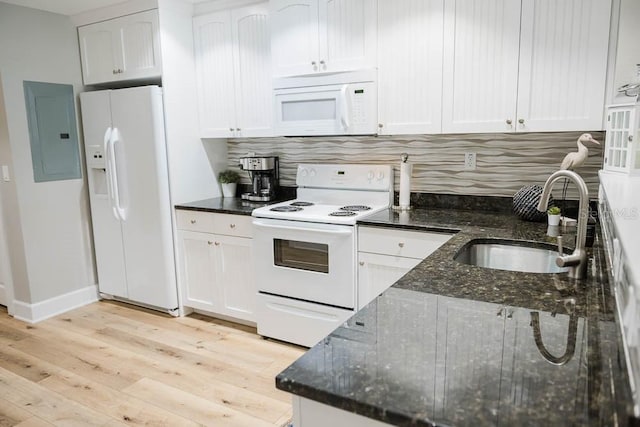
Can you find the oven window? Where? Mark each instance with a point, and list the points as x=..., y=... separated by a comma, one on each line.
x=301, y=255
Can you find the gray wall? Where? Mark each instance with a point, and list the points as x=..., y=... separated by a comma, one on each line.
x=505, y=162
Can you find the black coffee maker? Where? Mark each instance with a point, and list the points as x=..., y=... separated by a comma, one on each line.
x=263, y=172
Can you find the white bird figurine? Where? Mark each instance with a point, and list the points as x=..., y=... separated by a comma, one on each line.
x=576, y=159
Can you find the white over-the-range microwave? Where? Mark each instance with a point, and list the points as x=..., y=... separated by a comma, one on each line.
x=328, y=104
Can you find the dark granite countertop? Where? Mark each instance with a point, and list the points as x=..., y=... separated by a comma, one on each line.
x=230, y=205
x=454, y=344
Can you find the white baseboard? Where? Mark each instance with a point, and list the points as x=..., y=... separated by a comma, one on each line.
x=33, y=313
x=3, y=294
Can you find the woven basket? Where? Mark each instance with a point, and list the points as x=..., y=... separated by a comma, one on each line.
x=525, y=203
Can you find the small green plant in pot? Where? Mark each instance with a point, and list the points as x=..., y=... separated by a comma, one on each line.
x=553, y=215
x=229, y=180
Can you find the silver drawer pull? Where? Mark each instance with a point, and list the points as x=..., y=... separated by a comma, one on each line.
x=361, y=263
x=209, y=242
x=217, y=243
x=232, y=225
x=401, y=244
x=193, y=221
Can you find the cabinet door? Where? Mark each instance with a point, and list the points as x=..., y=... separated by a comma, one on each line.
x=98, y=52
x=621, y=124
x=214, y=74
x=347, y=35
x=410, y=66
x=377, y=272
x=234, y=278
x=563, y=65
x=480, y=65
x=197, y=270
x=252, y=71
x=139, y=39
x=126, y=48
x=294, y=37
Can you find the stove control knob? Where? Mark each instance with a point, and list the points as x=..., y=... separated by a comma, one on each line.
x=304, y=173
x=312, y=173
x=370, y=175
x=380, y=175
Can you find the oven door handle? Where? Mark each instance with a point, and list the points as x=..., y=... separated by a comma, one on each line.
x=334, y=231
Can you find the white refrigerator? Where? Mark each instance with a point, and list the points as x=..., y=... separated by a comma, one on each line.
x=129, y=194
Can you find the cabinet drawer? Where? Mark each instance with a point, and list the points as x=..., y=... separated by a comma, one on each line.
x=233, y=225
x=194, y=220
x=389, y=241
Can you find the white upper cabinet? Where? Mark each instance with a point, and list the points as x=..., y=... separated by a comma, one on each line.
x=125, y=48
x=410, y=39
x=322, y=36
x=563, y=65
x=522, y=66
x=233, y=71
x=480, y=65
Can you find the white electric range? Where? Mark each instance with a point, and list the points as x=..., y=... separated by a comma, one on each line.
x=304, y=250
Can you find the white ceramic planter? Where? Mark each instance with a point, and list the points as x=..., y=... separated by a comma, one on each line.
x=553, y=219
x=229, y=189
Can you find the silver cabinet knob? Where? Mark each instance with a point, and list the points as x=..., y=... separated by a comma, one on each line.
x=630, y=138
x=114, y=71
x=209, y=242
x=401, y=244
x=217, y=243
x=361, y=263
x=193, y=221
x=521, y=121
x=313, y=63
x=509, y=121
x=238, y=129
x=380, y=125
x=230, y=129
x=232, y=226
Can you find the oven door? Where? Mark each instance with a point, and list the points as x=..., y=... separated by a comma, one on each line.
x=307, y=261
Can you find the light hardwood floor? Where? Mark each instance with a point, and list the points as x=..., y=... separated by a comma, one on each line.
x=111, y=364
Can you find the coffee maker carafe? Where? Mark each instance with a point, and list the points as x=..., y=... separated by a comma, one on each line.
x=263, y=172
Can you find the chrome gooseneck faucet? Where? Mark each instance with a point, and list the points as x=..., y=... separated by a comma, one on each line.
x=577, y=261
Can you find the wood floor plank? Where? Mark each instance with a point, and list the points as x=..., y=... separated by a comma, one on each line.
x=120, y=406
x=182, y=403
x=34, y=422
x=84, y=359
x=46, y=405
x=32, y=368
x=11, y=414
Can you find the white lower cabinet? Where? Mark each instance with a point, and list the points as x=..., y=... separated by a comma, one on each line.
x=215, y=255
x=387, y=254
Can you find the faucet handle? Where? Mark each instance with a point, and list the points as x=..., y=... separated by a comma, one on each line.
x=560, y=248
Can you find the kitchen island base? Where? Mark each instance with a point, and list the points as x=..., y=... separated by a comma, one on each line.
x=308, y=413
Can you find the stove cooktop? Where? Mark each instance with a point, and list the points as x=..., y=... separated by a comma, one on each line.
x=301, y=210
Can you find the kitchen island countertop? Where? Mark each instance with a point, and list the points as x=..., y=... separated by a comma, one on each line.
x=455, y=344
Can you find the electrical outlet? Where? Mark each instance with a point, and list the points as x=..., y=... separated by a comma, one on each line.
x=470, y=161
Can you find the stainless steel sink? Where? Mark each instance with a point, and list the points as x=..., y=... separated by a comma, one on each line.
x=512, y=255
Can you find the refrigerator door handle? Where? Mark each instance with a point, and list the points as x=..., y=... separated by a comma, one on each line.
x=108, y=169
x=117, y=206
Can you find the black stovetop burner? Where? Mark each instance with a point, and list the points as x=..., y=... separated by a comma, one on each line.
x=343, y=213
x=355, y=208
x=301, y=204
x=287, y=208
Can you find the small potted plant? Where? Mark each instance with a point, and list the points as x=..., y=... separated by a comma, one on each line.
x=229, y=180
x=553, y=215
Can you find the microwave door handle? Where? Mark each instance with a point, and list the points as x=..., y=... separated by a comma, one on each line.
x=344, y=107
